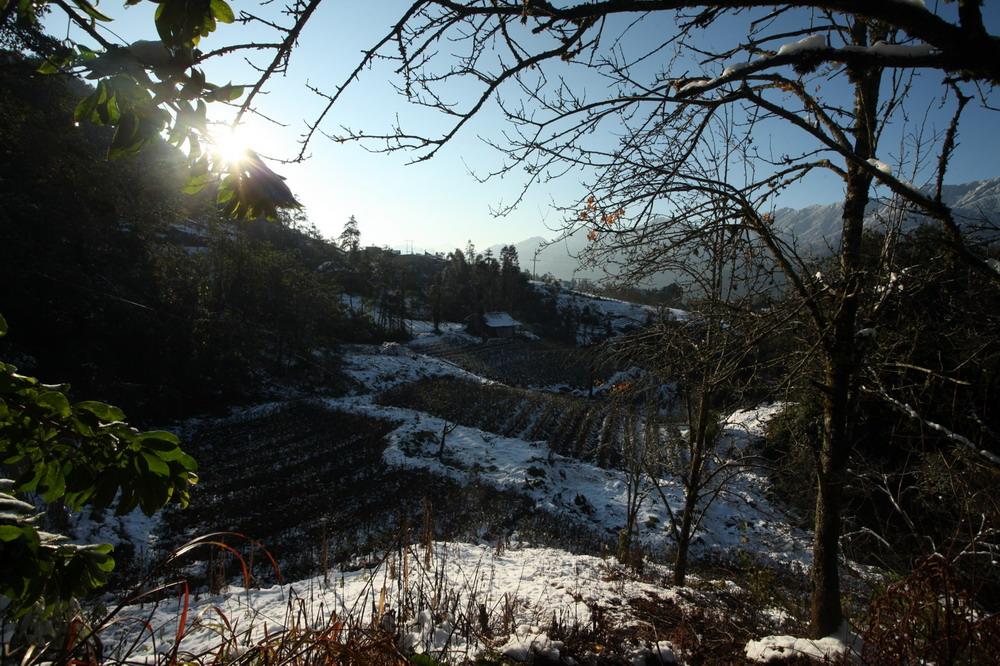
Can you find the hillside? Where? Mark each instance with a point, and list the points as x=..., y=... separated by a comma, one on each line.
x=503, y=518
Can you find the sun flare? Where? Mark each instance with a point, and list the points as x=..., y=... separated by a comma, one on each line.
x=231, y=144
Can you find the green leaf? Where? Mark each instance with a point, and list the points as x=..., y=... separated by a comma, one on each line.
x=48, y=66
x=3, y=326
x=196, y=183
x=107, y=486
x=103, y=549
x=104, y=412
x=91, y=11
x=226, y=93
x=10, y=532
x=126, y=139
x=161, y=435
x=222, y=11
x=156, y=464
x=85, y=109
x=55, y=402
x=86, y=53
x=54, y=482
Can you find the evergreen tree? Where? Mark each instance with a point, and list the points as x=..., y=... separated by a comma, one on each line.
x=350, y=238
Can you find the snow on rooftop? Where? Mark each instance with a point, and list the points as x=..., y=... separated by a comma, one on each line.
x=499, y=320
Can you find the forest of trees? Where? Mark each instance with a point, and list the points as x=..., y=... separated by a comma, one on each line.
x=118, y=282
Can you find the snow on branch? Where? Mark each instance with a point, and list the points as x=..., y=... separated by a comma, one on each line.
x=880, y=165
x=814, y=48
x=810, y=43
x=909, y=411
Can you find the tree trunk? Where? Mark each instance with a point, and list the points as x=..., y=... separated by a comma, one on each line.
x=841, y=359
x=827, y=614
x=684, y=541
x=693, y=485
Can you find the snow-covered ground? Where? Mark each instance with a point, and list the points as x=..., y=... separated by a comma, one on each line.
x=741, y=520
x=452, y=333
x=135, y=528
x=535, y=584
x=619, y=316
x=422, y=330
x=532, y=586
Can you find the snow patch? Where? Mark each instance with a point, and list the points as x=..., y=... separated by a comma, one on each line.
x=697, y=83
x=382, y=368
x=528, y=642
x=537, y=585
x=742, y=519
x=840, y=647
x=734, y=68
x=880, y=165
x=778, y=648
x=807, y=43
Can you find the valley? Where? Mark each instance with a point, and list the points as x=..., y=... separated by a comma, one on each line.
x=510, y=531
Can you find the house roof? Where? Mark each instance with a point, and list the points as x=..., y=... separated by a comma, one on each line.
x=499, y=320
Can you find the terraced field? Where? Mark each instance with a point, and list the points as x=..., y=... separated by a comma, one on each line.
x=520, y=362
x=573, y=426
x=305, y=476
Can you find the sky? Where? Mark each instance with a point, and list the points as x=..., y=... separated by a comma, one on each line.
x=439, y=204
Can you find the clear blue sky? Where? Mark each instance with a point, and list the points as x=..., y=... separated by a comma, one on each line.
x=437, y=204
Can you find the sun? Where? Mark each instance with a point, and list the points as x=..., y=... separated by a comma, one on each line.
x=230, y=145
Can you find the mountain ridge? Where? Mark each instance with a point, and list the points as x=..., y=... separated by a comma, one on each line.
x=814, y=228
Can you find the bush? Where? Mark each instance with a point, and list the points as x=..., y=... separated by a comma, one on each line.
x=928, y=617
x=74, y=454
x=790, y=445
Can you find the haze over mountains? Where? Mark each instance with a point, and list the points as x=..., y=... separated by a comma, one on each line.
x=815, y=228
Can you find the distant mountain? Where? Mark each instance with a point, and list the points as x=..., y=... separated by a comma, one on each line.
x=815, y=229
x=559, y=259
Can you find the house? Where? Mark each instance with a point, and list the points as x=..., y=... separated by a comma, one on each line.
x=494, y=325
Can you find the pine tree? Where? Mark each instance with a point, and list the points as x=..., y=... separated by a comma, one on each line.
x=350, y=238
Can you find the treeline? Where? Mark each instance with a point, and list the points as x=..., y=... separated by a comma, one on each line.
x=134, y=292
x=668, y=296
x=459, y=286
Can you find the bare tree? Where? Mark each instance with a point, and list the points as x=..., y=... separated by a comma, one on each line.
x=710, y=358
x=637, y=450
x=836, y=73
x=446, y=429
